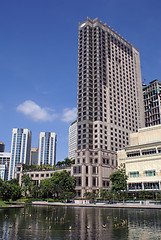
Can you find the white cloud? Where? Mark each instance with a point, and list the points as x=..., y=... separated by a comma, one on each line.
x=35, y=112
x=69, y=115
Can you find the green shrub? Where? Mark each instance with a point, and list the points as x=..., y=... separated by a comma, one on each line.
x=50, y=200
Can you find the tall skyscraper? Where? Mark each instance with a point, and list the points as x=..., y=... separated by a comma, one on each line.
x=34, y=156
x=20, y=148
x=109, y=102
x=47, y=148
x=152, y=103
x=72, y=140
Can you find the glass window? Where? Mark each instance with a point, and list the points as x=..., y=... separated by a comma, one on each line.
x=134, y=174
x=150, y=173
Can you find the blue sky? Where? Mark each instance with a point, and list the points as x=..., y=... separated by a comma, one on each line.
x=38, y=58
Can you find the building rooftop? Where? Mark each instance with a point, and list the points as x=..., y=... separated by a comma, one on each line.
x=108, y=28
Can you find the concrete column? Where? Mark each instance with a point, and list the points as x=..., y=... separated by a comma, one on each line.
x=83, y=176
x=99, y=177
x=82, y=193
x=90, y=176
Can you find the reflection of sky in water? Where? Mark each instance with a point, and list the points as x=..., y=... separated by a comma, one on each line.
x=79, y=223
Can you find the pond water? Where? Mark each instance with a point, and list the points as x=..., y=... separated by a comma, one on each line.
x=36, y=222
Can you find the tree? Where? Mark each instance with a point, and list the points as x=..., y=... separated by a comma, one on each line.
x=46, y=188
x=90, y=196
x=119, y=180
x=10, y=190
x=106, y=195
x=6, y=191
x=35, y=191
x=59, y=164
x=62, y=182
x=60, y=185
x=16, y=192
x=68, y=162
x=26, y=183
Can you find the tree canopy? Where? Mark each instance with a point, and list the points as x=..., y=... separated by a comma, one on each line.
x=27, y=183
x=10, y=190
x=59, y=186
x=119, y=180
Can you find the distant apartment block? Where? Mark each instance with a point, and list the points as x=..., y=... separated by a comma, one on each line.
x=72, y=140
x=142, y=159
x=20, y=148
x=2, y=147
x=34, y=156
x=5, y=158
x=152, y=103
x=47, y=148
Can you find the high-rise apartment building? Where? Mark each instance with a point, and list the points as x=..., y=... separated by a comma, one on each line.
x=109, y=102
x=152, y=103
x=34, y=156
x=72, y=140
x=5, y=158
x=47, y=148
x=20, y=149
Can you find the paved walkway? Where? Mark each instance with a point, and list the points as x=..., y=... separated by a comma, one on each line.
x=103, y=205
x=12, y=206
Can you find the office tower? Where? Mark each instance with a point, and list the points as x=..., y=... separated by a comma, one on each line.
x=109, y=102
x=2, y=147
x=47, y=148
x=20, y=148
x=34, y=156
x=5, y=158
x=152, y=102
x=72, y=140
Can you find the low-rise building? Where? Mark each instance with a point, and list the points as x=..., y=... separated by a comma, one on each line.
x=37, y=175
x=142, y=159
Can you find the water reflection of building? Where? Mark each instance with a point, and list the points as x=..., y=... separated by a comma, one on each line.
x=53, y=223
x=142, y=159
x=89, y=223
x=144, y=224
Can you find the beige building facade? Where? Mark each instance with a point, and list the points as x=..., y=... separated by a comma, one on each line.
x=142, y=159
x=37, y=176
x=109, y=103
x=72, y=147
